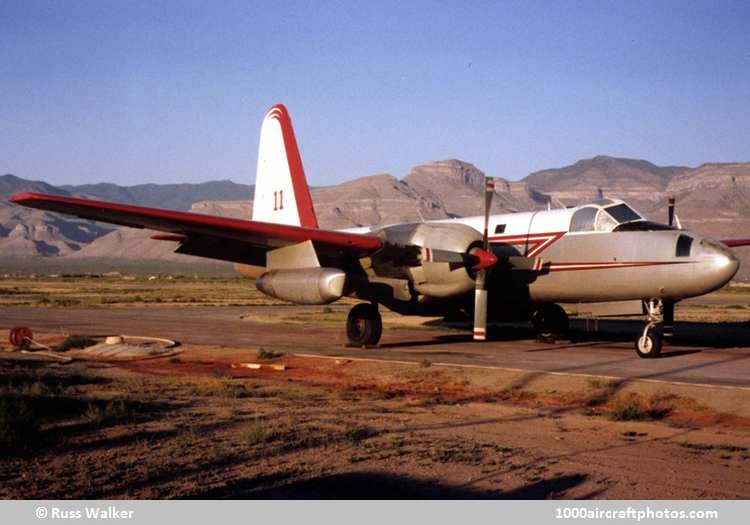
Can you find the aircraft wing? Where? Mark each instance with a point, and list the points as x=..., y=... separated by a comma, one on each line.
x=734, y=243
x=209, y=236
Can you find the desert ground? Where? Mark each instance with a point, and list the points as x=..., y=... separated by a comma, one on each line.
x=428, y=414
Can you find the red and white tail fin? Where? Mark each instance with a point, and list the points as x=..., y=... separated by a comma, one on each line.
x=281, y=192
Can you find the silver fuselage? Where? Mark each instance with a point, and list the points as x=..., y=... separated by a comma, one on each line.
x=597, y=266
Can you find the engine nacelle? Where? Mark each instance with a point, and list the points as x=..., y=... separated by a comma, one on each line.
x=304, y=285
x=434, y=278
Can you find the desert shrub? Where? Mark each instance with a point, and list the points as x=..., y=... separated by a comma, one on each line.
x=357, y=433
x=636, y=407
x=257, y=433
x=458, y=452
x=268, y=354
x=220, y=373
x=109, y=413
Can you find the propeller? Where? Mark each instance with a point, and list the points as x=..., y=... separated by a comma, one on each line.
x=667, y=305
x=480, y=290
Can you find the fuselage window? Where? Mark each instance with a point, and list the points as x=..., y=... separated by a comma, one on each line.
x=683, y=246
x=500, y=228
x=583, y=219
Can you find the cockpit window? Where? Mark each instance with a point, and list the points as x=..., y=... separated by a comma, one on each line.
x=594, y=218
x=623, y=213
x=605, y=222
x=583, y=219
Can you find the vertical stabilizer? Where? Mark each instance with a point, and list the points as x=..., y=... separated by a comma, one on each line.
x=281, y=192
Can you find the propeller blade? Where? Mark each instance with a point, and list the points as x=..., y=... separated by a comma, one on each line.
x=532, y=264
x=489, y=192
x=480, y=307
x=437, y=255
x=477, y=259
x=486, y=259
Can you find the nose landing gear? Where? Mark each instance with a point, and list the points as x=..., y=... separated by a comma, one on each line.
x=649, y=343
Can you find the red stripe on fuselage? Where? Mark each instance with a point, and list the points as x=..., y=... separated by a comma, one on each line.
x=567, y=267
x=534, y=243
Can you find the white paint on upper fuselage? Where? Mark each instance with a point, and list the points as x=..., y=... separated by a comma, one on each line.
x=517, y=223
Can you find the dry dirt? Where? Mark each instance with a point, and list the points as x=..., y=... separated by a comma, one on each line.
x=192, y=426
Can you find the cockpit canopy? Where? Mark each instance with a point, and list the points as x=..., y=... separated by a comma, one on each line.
x=603, y=216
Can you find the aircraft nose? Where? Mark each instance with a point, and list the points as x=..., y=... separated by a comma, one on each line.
x=724, y=264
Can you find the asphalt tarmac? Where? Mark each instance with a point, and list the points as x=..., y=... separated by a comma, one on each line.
x=716, y=354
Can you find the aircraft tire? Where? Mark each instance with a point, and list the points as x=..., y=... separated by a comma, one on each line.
x=649, y=346
x=364, y=326
x=550, y=321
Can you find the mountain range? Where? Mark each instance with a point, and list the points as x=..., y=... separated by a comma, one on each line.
x=712, y=199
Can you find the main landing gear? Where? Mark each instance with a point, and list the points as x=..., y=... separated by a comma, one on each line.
x=649, y=343
x=364, y=326
x=550, y=322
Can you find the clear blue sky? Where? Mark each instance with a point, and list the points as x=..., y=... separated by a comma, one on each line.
x=131, y=92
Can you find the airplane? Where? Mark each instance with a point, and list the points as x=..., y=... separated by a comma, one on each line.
x=492, y=267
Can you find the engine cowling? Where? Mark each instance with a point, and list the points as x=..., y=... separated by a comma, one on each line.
x=408, y=254
x=304, y=285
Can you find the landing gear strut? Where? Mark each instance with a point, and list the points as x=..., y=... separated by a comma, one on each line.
x=364, y=326
x=648, y=345
x=550, y=322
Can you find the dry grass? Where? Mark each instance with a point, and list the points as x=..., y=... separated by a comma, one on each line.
x=129, y=290
x=202, y=431
x=638, y=407
x=702, y=447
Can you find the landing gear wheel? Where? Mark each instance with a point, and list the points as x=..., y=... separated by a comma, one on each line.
x=364, y=325
x=648, y=344
x=550, y=322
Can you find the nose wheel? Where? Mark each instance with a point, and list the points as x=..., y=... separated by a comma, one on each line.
x=364, y=326
x=649, y=342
